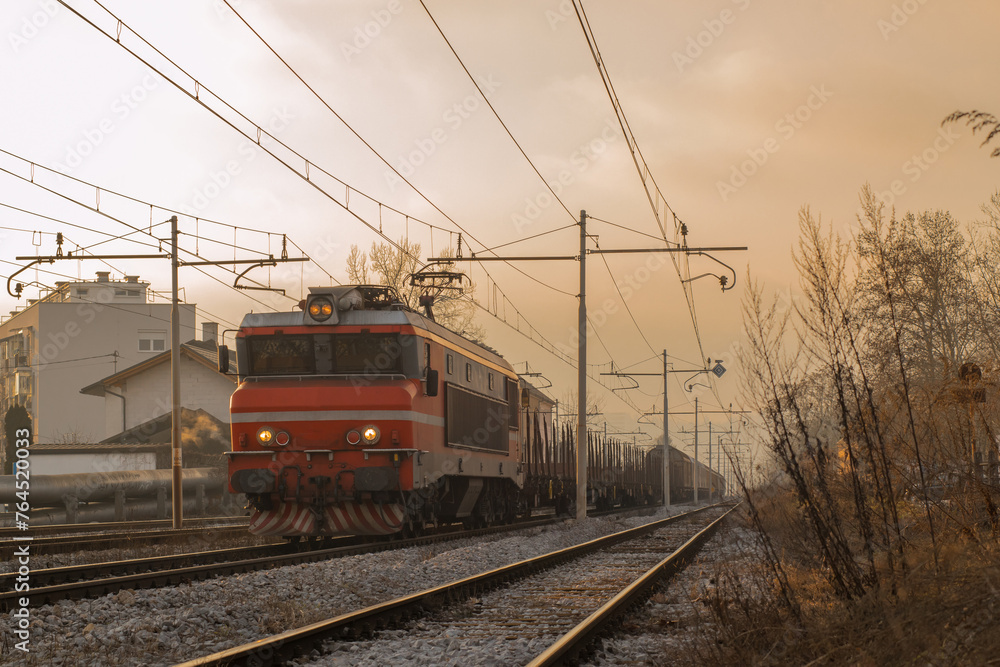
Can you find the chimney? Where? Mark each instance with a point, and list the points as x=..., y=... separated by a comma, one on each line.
x=102, y=276
x=210, y=332
x=131, y=279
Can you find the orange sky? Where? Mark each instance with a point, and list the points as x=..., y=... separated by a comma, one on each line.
x=745, y=111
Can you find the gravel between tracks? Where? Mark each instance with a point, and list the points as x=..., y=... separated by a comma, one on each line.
x=170, y=625
x=513, y=624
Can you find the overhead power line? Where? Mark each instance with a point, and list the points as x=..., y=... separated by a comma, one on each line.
x=377, y=154
x=260, y=132
x=654, y=195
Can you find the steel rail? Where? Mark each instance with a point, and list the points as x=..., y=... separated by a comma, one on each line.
x=118, y=540
x=568, y=648
x=286, y=646
x=148, y=524
x=175, y=575
x=51, y=576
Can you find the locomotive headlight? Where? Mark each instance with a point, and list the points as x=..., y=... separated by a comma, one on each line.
x=281, y=438
x=370, y=435
x=265, y=436
x=320, y=309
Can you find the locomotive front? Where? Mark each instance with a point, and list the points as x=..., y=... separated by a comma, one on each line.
x=331, y=403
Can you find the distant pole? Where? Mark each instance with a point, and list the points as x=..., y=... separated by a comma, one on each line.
x=666, y=437
x=723, y=472
x=710, y=462
x=694, y=468
x=175, y=384
x=581, y=420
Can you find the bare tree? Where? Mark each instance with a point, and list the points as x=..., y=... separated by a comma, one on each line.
x=980, y=121
x=392, y=265
x=570, y=403
x=925, y=266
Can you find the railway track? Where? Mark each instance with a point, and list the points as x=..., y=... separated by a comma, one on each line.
x=534, y=615
x=121, y=526
x=91, y=580
x=94, y=579
x=61, y=544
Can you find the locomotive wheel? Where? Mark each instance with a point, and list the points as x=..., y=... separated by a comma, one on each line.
x=487, y=515
x=412, y=528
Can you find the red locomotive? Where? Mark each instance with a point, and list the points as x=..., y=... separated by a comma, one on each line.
x=358, y=415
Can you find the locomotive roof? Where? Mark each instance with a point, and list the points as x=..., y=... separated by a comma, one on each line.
x=377, y=318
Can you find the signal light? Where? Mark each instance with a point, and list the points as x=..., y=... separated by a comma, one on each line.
x=320, y=309
x=265, y=435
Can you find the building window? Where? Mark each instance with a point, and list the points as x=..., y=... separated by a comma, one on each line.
x=468, y=372
x=152, y=341
x=450, y=364
x=491, y=381
x=82, y=292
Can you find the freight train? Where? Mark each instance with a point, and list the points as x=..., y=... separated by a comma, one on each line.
x=358, y=415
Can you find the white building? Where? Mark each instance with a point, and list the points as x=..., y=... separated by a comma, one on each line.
x=141, y=392
x=71, y=338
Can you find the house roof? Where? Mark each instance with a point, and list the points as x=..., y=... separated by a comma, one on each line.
x=203, y=352
x=156, y=431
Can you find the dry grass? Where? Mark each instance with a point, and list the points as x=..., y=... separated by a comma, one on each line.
x=935, y=616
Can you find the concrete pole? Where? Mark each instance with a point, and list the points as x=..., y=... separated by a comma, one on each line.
x=709, y=476
x=694, y=468
x=666, y=437
x=177, y=504
x=581, y=423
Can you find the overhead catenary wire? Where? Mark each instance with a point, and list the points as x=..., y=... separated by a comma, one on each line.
x=199, y=97
x=133, y=227
x=111, y=306
x=624, y=301
x=260, y=131
x=135, y=230
x=368, y=145
x=522, y=151
x=497, y=115
x=645, y=174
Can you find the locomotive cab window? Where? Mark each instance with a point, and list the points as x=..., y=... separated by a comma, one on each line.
x=367, y=353
x=281, y=355
x=326, y=354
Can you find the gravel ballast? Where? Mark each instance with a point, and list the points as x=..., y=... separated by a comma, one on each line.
x=170, y=625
